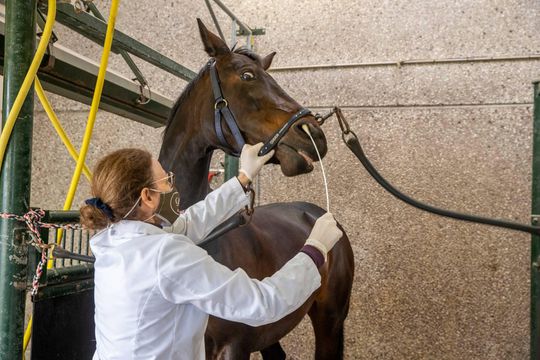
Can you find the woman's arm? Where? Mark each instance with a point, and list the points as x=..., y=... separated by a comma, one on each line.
x=187, y=274
x=201, y=218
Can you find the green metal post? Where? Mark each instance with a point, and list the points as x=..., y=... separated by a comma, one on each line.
x=231, y=167
x=15, y=178
x=535, y=240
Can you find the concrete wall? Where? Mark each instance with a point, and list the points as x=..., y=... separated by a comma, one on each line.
x=455, y=135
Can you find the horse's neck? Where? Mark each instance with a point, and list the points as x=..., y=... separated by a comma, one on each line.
x=192, y=174
x=187, y=150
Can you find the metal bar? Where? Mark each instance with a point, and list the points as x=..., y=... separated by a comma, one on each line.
x=63, y=244
x=74, y=77
x=87, y=243
x=214, y=19
x=80, y=233
x=72, y=244
x=66, y=254
x=233, y=17
x=399, y=63
x=129, y=61
x=74, y=273
x=60, y=216
x=94, y=29
x=15, y=177
x=535, y=239
x=231, y=167
x=65, y=289
x=65, y=281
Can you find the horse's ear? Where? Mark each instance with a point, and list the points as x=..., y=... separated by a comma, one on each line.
x=267, y=60
x=213, y=45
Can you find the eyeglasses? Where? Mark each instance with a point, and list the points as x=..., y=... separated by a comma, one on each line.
x=169, y=178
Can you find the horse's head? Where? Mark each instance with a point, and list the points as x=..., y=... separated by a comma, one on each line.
x=261, y=107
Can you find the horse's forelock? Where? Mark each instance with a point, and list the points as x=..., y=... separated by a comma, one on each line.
x=249, y=53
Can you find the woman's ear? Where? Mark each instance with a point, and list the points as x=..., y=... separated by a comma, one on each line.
x=146, y=197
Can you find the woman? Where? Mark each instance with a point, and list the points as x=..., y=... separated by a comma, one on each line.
x=154, y=288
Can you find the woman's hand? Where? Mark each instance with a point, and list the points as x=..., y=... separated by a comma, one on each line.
x=325, y=234
x=250, y=162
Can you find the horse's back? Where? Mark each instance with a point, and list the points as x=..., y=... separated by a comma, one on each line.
x=280, y=229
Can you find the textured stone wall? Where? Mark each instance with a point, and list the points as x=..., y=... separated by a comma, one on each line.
x=456, y=135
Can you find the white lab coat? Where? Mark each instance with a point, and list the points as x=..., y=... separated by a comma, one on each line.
x=154, y=289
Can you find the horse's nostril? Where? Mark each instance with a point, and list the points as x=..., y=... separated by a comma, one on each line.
x=301, y=131
x=299, y=127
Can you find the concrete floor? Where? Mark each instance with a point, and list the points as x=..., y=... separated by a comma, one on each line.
x=455, y=135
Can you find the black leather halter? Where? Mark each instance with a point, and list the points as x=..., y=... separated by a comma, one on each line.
x=222, y=111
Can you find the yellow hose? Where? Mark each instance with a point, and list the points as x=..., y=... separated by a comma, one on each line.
x=59, y=129
x=27, y=335
x=28, y=80
x=92, y=115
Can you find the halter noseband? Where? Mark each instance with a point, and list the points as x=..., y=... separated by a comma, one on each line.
x=222, y=111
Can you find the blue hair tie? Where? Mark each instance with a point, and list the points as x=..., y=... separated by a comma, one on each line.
x=98, y=203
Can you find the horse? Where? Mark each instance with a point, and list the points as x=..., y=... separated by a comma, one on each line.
x=261, y=110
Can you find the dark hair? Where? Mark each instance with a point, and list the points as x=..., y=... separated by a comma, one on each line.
x=117, y=181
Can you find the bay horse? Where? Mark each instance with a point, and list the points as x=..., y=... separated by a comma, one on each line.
x=276, y=231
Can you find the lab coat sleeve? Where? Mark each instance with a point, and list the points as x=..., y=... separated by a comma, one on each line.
x=188, y=275
x=201, y=218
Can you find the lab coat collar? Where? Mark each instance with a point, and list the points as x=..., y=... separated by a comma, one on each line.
x=135, y=227
x=120, y=233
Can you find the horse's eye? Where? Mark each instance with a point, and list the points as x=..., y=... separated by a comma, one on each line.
x=246, y=76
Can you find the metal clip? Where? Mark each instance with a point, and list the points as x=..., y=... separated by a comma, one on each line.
x=143, y=99
x=343, y=124
x=249, y=209
x=81, y=6
x=322, y=118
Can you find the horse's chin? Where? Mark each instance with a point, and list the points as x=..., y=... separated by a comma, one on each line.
x=293, y=162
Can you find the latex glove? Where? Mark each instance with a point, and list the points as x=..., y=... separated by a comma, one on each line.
x=325, y=234
x=250, y=162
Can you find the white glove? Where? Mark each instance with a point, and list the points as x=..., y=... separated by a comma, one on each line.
x=250, y=162
x=325, y=234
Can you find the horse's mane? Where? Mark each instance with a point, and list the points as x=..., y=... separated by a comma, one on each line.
x=183, y=96
x=189, y=87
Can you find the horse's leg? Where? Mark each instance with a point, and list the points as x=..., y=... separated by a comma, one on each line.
x=328, y=334
x=234, y=352
x=331, y=305
x=274, y=352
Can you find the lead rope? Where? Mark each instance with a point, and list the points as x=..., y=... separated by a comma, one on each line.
x=306, y=129
x=351, y=140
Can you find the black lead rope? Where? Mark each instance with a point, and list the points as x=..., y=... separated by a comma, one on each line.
x=352, y=142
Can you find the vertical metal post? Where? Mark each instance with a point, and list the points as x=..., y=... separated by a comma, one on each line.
x=231, y=162
x=15, y=177
x=535, y=239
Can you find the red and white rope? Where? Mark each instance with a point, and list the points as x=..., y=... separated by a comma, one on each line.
x=33, y=221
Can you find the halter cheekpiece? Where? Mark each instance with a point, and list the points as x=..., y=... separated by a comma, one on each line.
x=223, y=112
